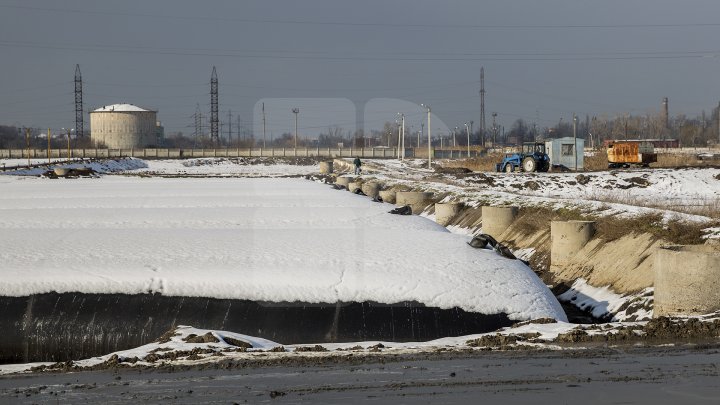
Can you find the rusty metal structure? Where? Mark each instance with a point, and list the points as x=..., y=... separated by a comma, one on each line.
x=627, y=153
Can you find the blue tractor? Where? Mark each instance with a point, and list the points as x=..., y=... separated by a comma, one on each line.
x=531, y=158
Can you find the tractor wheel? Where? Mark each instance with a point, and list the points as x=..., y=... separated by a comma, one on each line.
x=529, y=164
x=509, y=168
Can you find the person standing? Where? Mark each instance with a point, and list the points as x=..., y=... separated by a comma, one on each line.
x=357, y=164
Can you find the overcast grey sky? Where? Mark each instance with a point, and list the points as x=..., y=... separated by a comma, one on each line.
x=543, y=59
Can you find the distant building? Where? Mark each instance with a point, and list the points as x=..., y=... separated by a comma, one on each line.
x=123, y=126
x=657, y=143
x=562, y=152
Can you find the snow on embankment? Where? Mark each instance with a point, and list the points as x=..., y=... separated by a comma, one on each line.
x=255, y=239
x=99, y=166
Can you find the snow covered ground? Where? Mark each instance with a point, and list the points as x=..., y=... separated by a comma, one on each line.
x=193, y=237
x=179, y=347
x=689, y=194
x=256, y=239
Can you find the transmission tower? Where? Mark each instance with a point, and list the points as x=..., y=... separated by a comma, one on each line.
x=214, y=134
x=482, y=106
x=198, y=123
x=78, y=102
x=229, y=126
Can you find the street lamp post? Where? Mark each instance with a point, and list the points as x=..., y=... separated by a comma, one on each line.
x=575, y=139
x=401, y=137
x=454, y=140
x=429, y=136
x=467, y=129
x=296, y=111
x=494, y=129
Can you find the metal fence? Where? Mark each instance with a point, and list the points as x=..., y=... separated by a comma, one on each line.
x=160, y=153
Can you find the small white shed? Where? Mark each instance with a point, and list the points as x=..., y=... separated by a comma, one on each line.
x=563, y=151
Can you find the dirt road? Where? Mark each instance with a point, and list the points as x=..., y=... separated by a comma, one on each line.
x=665, y=375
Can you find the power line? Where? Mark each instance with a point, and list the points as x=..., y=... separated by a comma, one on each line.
x=373, y=24
x=505, y=57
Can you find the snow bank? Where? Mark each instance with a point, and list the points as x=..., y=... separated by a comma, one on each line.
x=604, y=303
x=256, y=239
x=100, y=166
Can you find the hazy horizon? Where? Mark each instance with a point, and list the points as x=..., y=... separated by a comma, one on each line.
x=340, y=62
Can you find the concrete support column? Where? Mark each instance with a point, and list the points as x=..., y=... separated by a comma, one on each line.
x=387, y=196
x=343, y=181
x=445, y=212
x=687, y=280
x=354, y=185
x=326, y=167
x=496, y=220
x=371, y=189
x=567, y=239
x=415, y=199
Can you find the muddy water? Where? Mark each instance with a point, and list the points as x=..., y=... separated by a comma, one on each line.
x=667, y=375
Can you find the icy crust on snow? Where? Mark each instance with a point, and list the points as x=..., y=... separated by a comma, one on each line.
x=278, y=240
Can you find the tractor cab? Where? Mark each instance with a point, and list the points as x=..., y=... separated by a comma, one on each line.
x=531, y=158
x=533, y=148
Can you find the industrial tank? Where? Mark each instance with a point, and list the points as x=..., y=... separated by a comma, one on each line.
x=123, y=126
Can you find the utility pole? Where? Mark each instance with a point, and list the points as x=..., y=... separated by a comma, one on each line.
x=296, y=111
x=482, y=106
x=263, y=113
x=27, y=143
x=719, y=123
x=429, y=136
x=399, y=137
x=494, y=129
x=78, y=102
x=422, y=129
x=575, y=139
x=467, y=130
x=48, y=151
x=214, y=134
x=68, y=137
x=402, y=156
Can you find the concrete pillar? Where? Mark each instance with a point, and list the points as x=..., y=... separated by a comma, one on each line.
x=445, y=212
x=326, y=167
x=343, y=181
x=415, y=199
x=387, y=196
x=371, y=189
x=687, y=280
x=354, y=185
x=567, y=239
x=496, y=220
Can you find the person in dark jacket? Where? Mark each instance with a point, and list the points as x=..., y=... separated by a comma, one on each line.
x=357, y=164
